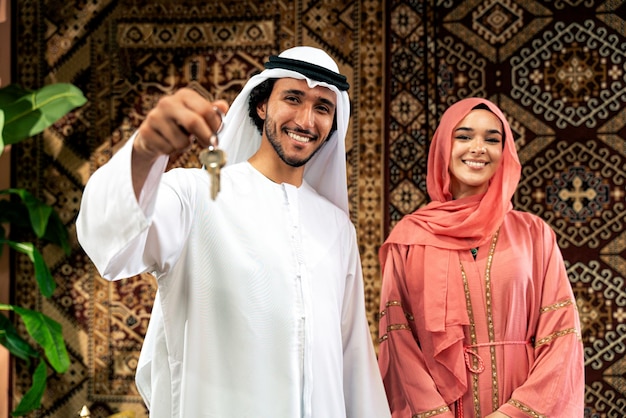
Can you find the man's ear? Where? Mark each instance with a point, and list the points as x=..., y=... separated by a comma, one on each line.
x=261, y=109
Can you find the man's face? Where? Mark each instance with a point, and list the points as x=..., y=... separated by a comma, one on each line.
x=298, y=119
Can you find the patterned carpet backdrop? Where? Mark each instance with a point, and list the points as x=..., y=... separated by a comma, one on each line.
x=556, y=68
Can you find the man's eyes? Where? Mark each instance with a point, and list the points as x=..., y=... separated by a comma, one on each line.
x=323, y=109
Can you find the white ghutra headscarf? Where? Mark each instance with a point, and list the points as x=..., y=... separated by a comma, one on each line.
x=326, y=171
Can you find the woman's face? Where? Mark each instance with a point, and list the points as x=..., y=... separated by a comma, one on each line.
x=476, y=153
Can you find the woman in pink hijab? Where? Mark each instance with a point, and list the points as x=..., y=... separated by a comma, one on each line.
x=478, y=318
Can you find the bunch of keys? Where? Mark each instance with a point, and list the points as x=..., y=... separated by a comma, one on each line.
x=211, y=158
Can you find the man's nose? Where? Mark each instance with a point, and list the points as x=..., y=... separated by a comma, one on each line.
x=305, y=117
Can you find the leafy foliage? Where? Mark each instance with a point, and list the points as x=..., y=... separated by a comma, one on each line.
x=23, y=114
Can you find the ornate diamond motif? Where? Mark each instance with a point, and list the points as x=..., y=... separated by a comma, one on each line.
x=407, y=197
x=405, y=65
x=567, y=78
x=406, y=108
x=497, y=21
x=577, y=194
x=497, y=28
x=574, y=194
x=406, y=152
x=405, y=21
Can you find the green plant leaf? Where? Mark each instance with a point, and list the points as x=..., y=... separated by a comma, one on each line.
x=12, y=341
x=56, y=233
x=38, y=211
x=16, y=214
x=44, y=278
x=11, y=93
x=48, y=334
x=32, y=398
x=34, y=111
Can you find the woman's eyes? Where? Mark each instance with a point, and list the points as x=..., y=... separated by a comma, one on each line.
x=469, y=138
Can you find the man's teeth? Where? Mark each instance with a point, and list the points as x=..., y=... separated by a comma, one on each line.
x=475, y=164
x=298, y=137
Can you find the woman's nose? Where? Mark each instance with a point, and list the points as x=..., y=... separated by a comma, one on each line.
x=478, y=147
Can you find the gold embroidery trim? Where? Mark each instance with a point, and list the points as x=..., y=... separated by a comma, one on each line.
x=408, y=315
x=557, y=306
x=554, y=336
x=393, y=327
x=432, y=412
x=491, y=332
x=388, y=304
x=525, y=409
x=397, y=327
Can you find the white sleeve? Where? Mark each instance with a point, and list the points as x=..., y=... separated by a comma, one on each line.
x=120, y=234
x=363, y=385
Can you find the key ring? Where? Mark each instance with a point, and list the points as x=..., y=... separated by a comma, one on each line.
x=213, y=140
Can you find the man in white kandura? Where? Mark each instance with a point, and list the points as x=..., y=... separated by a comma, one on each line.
x=260, y=304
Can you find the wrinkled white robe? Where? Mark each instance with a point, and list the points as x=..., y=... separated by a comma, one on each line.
x=260, y=308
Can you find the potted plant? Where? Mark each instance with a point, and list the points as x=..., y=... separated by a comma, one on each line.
x=25, y=221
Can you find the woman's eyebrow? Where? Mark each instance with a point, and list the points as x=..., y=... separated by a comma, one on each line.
x=468, y=129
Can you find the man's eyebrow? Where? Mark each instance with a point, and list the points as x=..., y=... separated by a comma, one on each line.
x=294, y=92
x=327, y=102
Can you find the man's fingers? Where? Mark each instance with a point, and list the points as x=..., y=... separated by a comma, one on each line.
x=211, y=114
x=179, y=119
x=163, y=132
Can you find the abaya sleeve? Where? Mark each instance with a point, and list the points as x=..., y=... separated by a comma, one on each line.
x=409, y=386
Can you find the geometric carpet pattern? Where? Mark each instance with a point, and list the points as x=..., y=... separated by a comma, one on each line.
x=557, y=69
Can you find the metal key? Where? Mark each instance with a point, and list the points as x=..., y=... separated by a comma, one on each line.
x=213, y=159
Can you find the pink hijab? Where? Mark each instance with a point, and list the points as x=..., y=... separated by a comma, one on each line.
x=469, y=222
x=445, y=226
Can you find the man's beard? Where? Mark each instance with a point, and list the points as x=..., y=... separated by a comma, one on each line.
x=272, y=135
